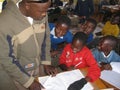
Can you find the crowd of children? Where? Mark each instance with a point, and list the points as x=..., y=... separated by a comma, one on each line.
x=76, y=54
x=71, y=50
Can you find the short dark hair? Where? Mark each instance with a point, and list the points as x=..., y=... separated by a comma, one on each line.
x=93, y=21
x=113, y=40
x=63, y=19
x=81, y=36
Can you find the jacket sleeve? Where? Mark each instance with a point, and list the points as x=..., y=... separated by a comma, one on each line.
x=46, y=58
x=10, y=67
x=94, y=70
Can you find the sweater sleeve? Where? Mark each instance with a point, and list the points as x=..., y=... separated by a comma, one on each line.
x=10, y=67
x=69, y=37
x=94, y=70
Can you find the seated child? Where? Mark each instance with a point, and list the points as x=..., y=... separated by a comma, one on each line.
x=88, y=27
x=77, y=55
x=59, y=33
x=111, y=27
x=69, y=7
x=105, y=53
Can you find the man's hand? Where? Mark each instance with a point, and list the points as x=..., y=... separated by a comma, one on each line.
x=35, y=86
x=77, y=85
x=50, y=70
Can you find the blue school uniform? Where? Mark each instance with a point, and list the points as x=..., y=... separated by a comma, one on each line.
x=100, y=57
x=57, y=40
x=90, y=38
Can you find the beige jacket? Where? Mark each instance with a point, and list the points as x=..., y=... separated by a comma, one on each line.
x=26, y=43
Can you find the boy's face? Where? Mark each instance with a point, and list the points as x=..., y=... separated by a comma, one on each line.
x=115, y=20
x=87, y=28
x=106, y=46
x=37, y=10
x=76, y=46
x=60, y=30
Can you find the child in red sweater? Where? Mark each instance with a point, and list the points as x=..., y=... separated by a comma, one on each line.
x=77, y=55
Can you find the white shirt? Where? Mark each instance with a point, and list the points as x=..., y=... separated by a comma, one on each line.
x=53, y=33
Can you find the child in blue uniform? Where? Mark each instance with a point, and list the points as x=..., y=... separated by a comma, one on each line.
x=60, y=35
x=105, y=53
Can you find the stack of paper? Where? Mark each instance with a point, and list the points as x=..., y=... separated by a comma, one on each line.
x=112, y=77
x=62, y=81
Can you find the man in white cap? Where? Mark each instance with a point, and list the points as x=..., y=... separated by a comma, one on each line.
x=24, y=45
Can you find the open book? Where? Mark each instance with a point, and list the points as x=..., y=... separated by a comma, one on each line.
x=62, y=80
x=112, y=77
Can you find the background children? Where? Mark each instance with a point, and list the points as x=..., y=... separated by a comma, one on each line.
x=77, y=55
x=112, y=27
x=105, y=54
x=88, y=27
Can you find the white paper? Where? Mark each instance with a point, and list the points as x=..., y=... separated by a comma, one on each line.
x=111, y=77
x=115, y=66
x=62, y=80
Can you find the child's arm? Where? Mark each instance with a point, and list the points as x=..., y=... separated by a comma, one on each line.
x=94, y=70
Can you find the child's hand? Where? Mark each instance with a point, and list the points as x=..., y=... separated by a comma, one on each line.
x=71, y=68
x=105, y=66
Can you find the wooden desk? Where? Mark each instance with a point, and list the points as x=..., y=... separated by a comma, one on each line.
x=99, y=83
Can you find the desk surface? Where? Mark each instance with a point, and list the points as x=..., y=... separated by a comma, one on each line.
x=98, y=84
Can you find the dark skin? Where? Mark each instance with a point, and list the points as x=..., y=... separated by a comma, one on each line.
x=87, y=28
x=37, y=11
x=60, y=30
x=115, y=20
x=106, y=46
x=76, y=46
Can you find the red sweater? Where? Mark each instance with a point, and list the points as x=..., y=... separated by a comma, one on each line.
x=83, y=58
